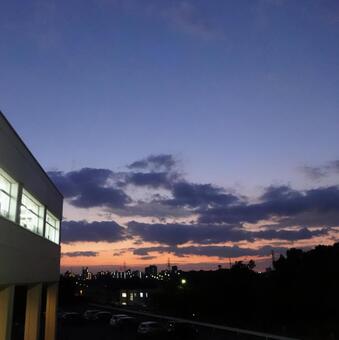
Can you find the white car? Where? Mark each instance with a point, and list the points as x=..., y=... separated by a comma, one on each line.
x=115, y=318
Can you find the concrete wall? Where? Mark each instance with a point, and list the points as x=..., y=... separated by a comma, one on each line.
x=24, y=256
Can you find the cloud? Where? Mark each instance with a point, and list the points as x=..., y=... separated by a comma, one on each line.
x=80, y=254
x=279, y=202
x=83, y=231
x=151, y=179
x=178, y=234
x=163, y=193
x=199, y=195
x=334, y=165
x=155, y=209
x=155, y=163
x=90, y=187
x=319, y=172
x=314, y=173
x=221, y=252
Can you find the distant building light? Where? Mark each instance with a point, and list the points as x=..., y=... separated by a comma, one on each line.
x=124, y=294
x=183, y=281
x=141, y=294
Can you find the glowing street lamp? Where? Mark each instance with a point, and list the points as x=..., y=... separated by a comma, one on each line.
x=183, y=281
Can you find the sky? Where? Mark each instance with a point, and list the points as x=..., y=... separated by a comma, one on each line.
x=201, y=131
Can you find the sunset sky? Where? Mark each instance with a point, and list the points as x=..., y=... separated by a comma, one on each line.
x=200, y=131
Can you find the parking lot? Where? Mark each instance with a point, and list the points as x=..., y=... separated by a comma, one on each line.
x=102, y=330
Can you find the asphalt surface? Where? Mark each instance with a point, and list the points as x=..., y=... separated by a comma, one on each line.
x=94, y=330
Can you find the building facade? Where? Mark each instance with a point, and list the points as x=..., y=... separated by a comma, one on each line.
x=30, y=218
x=134, y=297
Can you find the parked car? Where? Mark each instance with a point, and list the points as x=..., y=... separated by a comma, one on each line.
x=116, y=317
x=127, y=322
x=103, y=316
x=182, y=330
x=72, y=317
x=150, y=329
x=90, y=314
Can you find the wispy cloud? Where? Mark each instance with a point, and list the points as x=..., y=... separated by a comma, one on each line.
x=80, y=254
x=319, y=172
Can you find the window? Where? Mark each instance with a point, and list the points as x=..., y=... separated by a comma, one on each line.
x=31, y=213
x=124, y=295
x=8, y=196
x=52, y=228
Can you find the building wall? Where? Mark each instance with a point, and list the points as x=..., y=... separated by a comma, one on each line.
x=20, y=164
x=24, y=256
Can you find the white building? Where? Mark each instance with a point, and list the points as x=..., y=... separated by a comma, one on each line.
x=30, y=215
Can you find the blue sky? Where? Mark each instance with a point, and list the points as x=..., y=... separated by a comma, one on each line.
x=243, y=93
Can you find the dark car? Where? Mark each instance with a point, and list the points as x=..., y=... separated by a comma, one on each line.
x=182, y=330
x=72, y=318
x=151, y=330
x=103, y=316
x=127, y=323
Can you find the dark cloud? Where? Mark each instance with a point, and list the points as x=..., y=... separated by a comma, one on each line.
x=155, y=163
x=220, y=213
x=89, y=188
x=278, y=202
x=177, y=234
x=154, y=208
x=148, y=258
x=199, y=195
x=151, y=179
x=82, y=231
x=80, y=254
x=221, y=252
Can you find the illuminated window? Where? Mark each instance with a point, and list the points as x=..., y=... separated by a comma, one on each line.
x=131, y=296
x=124, y=295
x=52, y=228
x=8, y=196
x=141, y=294
x=31, y=213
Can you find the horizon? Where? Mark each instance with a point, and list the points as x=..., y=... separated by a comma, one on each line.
x=182, y=130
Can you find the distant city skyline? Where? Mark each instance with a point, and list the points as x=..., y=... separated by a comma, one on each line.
x=197, y=130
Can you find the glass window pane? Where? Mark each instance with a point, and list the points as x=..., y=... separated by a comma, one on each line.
x=52, y=228
x=4, y=204
x=5, y=185
x=8, y=196
x=31, y=213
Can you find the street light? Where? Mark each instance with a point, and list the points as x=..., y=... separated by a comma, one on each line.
x=183, y=281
